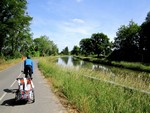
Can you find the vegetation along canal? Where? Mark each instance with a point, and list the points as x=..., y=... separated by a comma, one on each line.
x=124, y=77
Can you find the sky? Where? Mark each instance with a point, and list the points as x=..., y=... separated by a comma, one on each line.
x=67, y=22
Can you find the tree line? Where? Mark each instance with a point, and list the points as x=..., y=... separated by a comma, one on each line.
x=16, y=38
x=132, y=43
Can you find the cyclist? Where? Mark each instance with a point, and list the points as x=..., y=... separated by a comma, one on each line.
x=28, y=67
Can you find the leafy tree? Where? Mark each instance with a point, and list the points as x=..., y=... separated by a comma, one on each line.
x=65, y=51
x=126, y=43
x=100, y=44
x=145, y=39
x=75, y=51
x=86, y=46
x=14, y=25
x=54, y=49
x=45, y=46
x=148, y=17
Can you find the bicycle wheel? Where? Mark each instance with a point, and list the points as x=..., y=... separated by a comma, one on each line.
x=32, y=96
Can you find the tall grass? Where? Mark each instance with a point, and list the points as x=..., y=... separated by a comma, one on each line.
x=91, y=96
x=5, y=64
x=139, y=80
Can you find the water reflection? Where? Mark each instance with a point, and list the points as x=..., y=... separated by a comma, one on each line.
x=118, y=75
x=65, y=61
x=70, y=61
x=73, y=62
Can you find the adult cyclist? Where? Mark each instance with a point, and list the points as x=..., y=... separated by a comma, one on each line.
x=28, y=67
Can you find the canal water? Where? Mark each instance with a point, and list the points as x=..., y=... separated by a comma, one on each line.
x=73, y=62
x=70, y=61
x=124, y=74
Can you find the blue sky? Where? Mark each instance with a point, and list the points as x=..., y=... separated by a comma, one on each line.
x=66, y=22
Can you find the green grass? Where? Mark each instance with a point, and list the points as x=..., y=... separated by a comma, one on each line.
x=91, y=96
x=129, y=65
x=132, y=65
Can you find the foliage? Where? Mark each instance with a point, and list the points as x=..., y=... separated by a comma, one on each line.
x=75, y=51
x=126, y=44
x=36, y=54
x=16, y=39
x=132, y=43
x=65, y=51
x=44, y=46
x=148, y=17
x=98, y=44
x=101, y=44
x=145, y=39
x=86, y=46
x=14, y=22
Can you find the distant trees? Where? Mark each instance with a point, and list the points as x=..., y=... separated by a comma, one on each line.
x=65, y=51
x=98, y=45
x=132, y=43
x=86, y=46
x=75, y=51
x=44, y=46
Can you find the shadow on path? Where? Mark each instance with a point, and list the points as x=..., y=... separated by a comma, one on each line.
x=10, y=90
x=12, y=102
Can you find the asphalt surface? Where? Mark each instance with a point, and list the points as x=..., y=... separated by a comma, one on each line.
x=45, y=100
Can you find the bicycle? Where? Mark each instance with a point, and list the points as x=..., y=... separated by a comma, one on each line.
x=25, y=91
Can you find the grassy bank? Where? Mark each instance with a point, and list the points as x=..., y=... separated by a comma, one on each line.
x=122, y=64
x=91, y=96
x=5, y=64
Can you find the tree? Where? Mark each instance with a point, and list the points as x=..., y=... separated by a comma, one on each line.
x=75, y=51
x=100, y=44
x=148, y=17
x=14, y=25
x=65, y=51
x=86, y=46
x=45, y=46
x=145, y=39
x=126, y=44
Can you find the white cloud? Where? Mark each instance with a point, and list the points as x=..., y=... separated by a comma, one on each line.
x=78, y=21
x=75, y=26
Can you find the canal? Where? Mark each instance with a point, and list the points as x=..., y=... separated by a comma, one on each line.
x=128, y=77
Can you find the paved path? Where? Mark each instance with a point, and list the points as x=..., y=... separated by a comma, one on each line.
x=45, y=100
